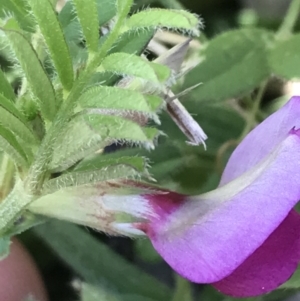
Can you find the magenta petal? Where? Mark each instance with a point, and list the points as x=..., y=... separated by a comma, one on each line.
x=262, y=140
x=207, y=237
x=270, y=265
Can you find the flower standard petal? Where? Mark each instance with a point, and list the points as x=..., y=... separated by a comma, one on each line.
x=207, y=237
x=262, y=140
x=270, y=265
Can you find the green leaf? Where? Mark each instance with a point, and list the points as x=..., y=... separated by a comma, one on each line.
x=18, y=9
x=96, y=293
x=11, y=147
x=113, y=98
x=119, y=101
x=17, y=126
x=121, y=5
x=133, y=41
x=154, y=101
x=70, y=24
x=99, y=170
x=67, y=14
x=96, y=262
x=88, y=17
x=163, y=73
x=104, y=78
x=9, y=106
x=4, y=246
x=37, y=78
x=129, y=64
x=12, y=24
x=77, y=141
x=97, y=162
x=107, y=9
x=233, y=64
x=55, y=41
x=88, y=134
x=166, y=18
x=6, y=89
x=284, y=58
x=116, y=128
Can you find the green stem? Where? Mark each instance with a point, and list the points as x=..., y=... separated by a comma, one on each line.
x=255, y=109
x=7, y=170
x=12, y=206
x=289, y=20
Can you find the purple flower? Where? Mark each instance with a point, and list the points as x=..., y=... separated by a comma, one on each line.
x=244, y=236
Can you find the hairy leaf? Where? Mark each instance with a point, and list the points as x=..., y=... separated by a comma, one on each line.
x=6, y=89
x=11, y=147
x=99, y=169
x=166, y=18
x=133, y=41
x=9, y=106
x=37, y=78
x=118, y=101
x=55, y=41
x=70, y=24
x=114, y=128
x=107, y=9
x=100, y=162
x=89, y=133
x=17, y=126
x=18, y=9
x=88, y=17
x=129, y=64
x=162, y=72
x=123, y=5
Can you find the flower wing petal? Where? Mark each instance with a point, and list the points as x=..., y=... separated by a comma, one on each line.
x=262, y=140
x=206, y=239
x=270, y=265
